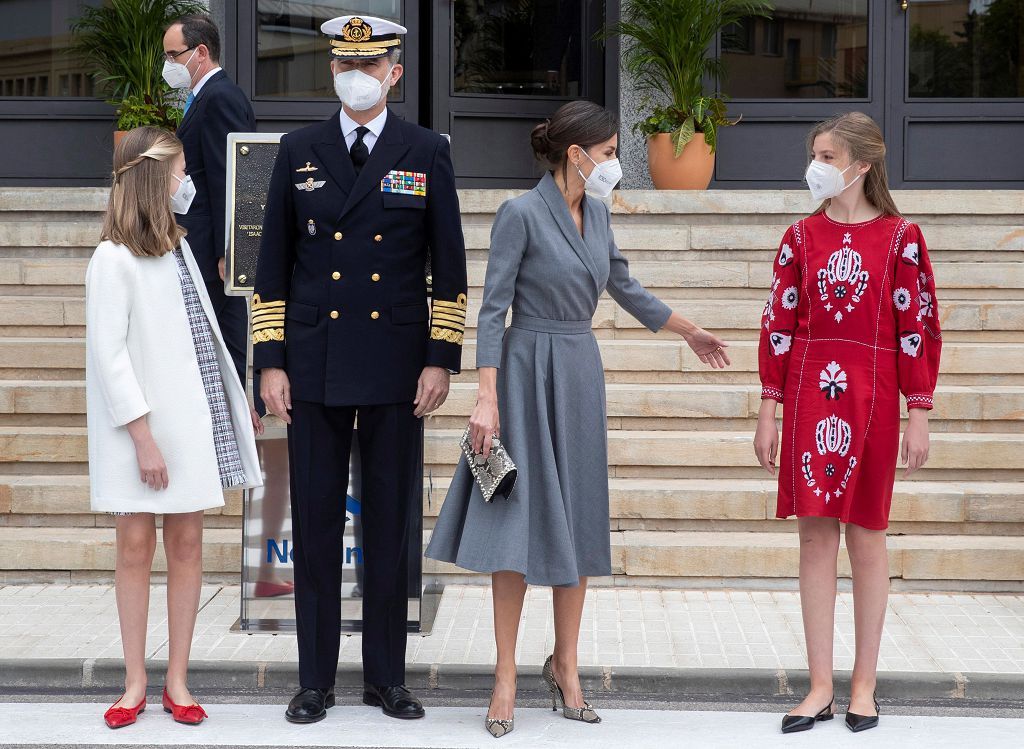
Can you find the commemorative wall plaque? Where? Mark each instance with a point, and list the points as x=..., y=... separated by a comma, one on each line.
x=250, y=160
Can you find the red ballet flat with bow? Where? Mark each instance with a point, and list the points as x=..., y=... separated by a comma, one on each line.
x=119, y=717
x=190, y=715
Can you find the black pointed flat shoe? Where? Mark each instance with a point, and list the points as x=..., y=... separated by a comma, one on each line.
x=797, y=723
x=858, y=723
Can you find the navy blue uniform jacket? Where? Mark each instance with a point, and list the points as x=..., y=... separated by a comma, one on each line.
x=340, y=296
x=220, y=108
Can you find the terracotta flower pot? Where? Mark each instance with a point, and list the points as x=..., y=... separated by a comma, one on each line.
x=118, y=134
x=691, y=171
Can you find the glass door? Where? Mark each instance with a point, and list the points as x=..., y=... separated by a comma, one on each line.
x=809, y=60
x=956, y=80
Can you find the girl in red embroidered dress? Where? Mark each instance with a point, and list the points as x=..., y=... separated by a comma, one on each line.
x=851, y=322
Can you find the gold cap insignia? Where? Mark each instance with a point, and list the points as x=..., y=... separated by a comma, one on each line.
x=357, y=30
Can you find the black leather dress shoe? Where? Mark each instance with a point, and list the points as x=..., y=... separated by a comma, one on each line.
x=309, y=705
x=397, y=701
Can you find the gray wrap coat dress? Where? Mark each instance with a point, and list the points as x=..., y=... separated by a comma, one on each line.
x=555, y=527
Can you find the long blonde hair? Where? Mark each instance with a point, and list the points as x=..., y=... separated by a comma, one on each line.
x=862, y=139
x=139, y=211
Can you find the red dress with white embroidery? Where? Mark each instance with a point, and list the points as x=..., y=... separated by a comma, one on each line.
x=851, y=322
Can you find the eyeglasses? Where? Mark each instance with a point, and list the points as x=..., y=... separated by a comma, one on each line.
x=173, y=56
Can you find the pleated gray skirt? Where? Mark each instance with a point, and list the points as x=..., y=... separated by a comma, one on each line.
x=555, y=527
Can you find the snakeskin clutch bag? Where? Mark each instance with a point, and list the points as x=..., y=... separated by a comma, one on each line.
x=495, y=476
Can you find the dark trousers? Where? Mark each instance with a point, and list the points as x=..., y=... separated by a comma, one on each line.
x=233, y=317
x=390, y=446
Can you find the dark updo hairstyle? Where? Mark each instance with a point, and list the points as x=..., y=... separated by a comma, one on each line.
x=578, y=123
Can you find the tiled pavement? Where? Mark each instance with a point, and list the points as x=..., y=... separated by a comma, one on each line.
x=716, y=629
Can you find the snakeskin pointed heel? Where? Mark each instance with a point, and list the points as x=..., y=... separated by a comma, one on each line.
x=498, y=727
x=586, y=714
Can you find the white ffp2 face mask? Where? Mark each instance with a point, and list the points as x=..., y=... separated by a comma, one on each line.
x=360, y=91
x=176, y=74
x=826, y=181
x=181, y=201
x=603, y=177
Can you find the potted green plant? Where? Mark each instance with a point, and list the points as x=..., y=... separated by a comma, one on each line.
x=122, y=41
x=669, y=51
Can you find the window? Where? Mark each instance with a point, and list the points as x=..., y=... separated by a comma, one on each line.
x=34, y=39
x=292, y=55
x=806, y=51
x=518, y=48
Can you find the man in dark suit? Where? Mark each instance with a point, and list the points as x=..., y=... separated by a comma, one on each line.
x=215, y=107
x=357, y=205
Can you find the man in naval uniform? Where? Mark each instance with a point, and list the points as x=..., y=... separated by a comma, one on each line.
x=342, y=331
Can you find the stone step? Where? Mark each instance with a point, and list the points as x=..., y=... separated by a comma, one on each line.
x=626, y=448
x=663, y=354
x=643, y=554
x=649, y=401
x=25, y=273
x=934, y=502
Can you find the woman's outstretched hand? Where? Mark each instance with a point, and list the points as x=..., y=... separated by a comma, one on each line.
x=709, y=348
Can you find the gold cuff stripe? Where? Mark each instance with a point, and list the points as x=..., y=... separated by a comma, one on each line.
x=461, y=314
x=449, y=318
x=264, y=336
x=258, y=303
x=449, y=326
x=460, y=304
x=268, y=317
x=271, y=311
x=450, y=336
x=266, y=325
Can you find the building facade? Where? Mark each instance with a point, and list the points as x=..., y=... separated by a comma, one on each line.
x=944, y=78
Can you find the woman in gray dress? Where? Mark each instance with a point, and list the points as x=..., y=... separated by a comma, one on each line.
x=552, y=254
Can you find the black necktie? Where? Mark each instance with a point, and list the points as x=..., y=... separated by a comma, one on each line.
x=359, y=152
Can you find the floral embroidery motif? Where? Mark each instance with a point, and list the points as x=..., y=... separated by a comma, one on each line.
x=833, y=435
x=805, y=463
x=910, y=343
x=785, y=255
x=927, y=304
x=842, y=274
x=781, y=341
x=832, y=381
x=790, y=297
x=769, y=306
x=911, y=253
x=901, y=298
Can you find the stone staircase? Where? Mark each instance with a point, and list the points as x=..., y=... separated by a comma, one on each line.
x=689, y=504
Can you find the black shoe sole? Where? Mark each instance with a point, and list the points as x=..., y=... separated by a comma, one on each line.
x=374, y=701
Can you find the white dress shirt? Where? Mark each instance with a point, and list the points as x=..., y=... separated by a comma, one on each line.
x=375, y=126
x=204, y=79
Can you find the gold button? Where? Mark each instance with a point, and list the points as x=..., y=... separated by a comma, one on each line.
x=378, y=238
x=375, y=277
x=334, y=314
x=336, y=276
x=338, y=235
x=374, y=315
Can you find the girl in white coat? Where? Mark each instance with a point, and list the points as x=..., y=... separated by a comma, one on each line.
x=169, y=425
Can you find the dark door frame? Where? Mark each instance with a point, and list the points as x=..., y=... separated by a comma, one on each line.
x=902, y=112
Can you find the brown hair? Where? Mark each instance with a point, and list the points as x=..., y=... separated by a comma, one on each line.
x=139, y=211
x=577, y=123
x=862, y=139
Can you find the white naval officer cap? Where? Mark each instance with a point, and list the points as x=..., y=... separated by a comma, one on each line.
x=362, y=36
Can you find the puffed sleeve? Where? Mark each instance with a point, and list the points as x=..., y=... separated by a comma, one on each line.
x=629, y=294
x=109, y=295
x=917, y=320
x=778, y=321
x=508, y=245
x=447, y=264
x=274, y=267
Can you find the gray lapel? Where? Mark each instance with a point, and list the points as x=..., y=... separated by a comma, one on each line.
x=560, y=212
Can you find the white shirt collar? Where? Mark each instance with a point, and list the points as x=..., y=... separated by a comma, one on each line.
x=204, y=79
x=375, y=126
